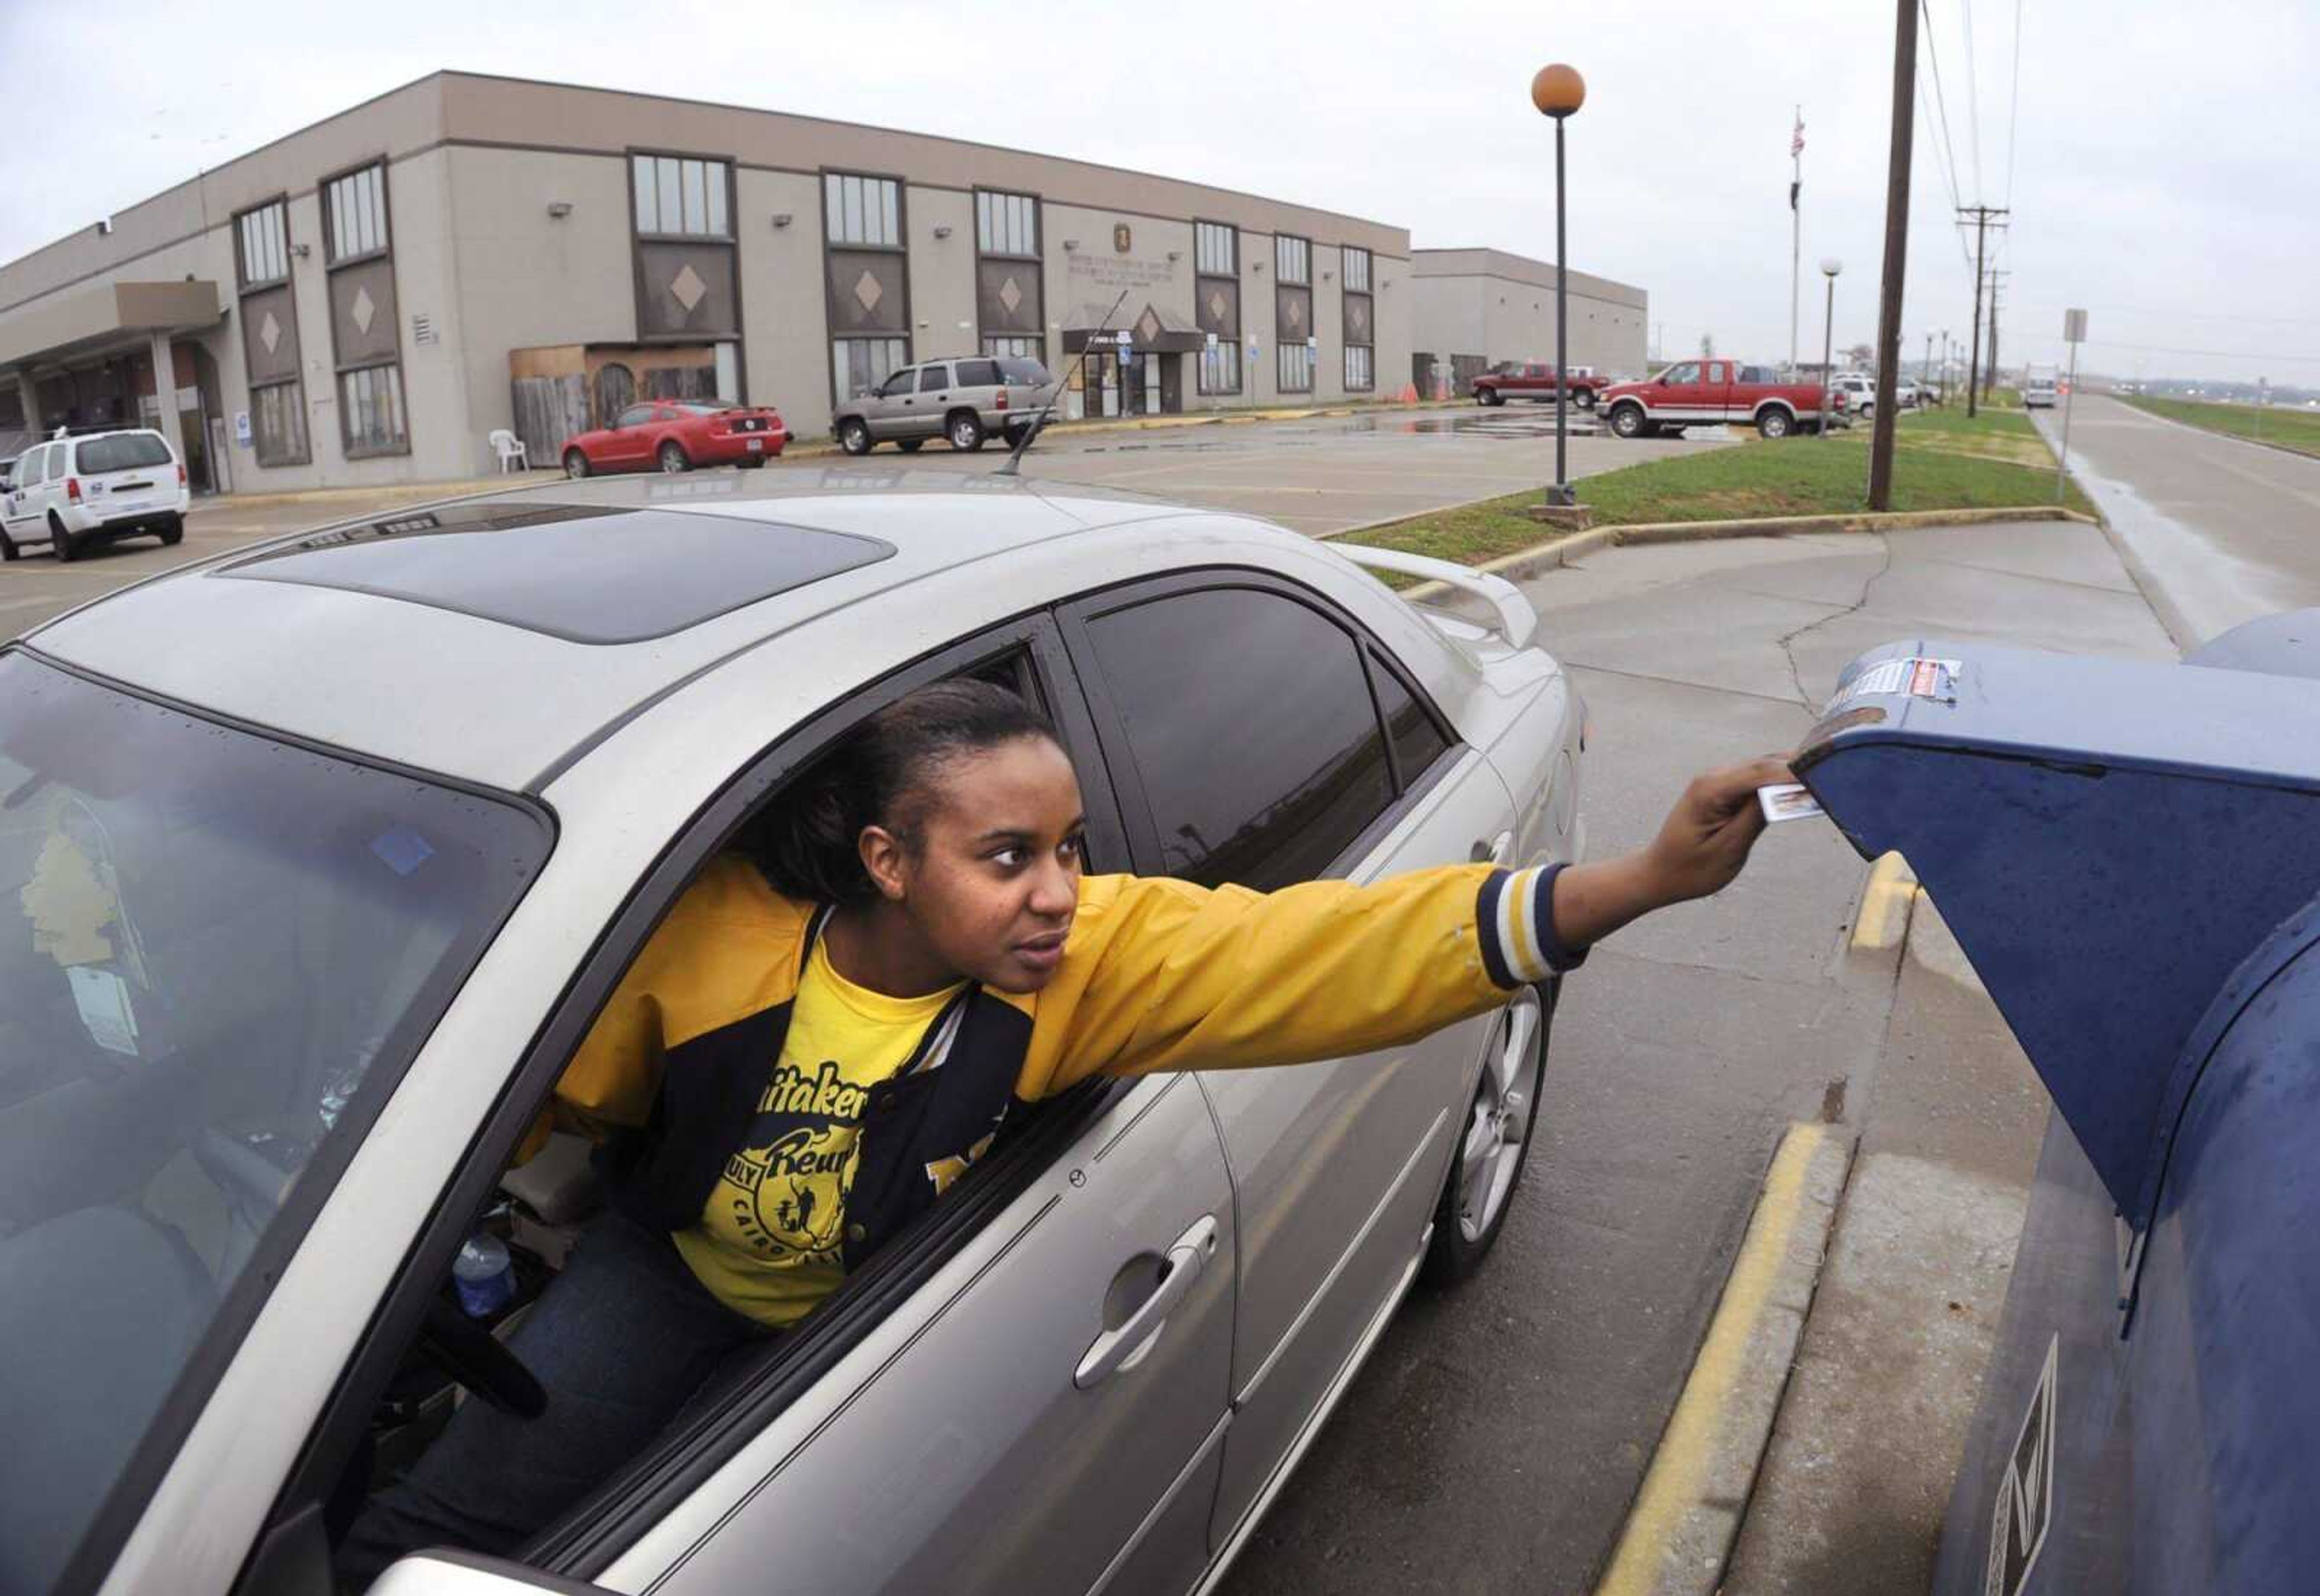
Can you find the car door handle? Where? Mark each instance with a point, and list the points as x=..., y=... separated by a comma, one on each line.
x=1124, y=1348
x=1495, y=850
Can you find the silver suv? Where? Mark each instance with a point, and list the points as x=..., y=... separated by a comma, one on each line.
x=966, y=399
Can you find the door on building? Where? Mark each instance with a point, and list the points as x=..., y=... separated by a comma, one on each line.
x=1103, y=383
x=1149, y=389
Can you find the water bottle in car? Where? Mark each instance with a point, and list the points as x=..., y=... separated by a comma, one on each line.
x=484, y=1276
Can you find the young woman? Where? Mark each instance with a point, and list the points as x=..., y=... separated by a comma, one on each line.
x=815, y=1043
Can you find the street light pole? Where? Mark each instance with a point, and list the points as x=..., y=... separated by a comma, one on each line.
x=1557, y=91
x=1829, y=268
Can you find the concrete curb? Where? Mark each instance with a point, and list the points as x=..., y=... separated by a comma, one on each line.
x=1687, y=1512
x=1559, y=552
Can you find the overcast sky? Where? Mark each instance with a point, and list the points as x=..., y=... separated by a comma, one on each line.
x=2159, y=164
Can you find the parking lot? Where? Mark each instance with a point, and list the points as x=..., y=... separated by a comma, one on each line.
x=1317, y=476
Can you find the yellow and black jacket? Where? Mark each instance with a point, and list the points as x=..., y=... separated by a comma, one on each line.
x=1157, y=975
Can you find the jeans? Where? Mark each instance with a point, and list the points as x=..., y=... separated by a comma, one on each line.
x=619, y=1341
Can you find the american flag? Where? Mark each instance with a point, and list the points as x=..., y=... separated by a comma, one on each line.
x=1797, y=139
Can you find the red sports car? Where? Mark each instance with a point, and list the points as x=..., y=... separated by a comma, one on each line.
x=676, y=435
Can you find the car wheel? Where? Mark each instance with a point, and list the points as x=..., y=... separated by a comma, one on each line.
x=965, y=429
x=1584, y=398
x=1495, y=1143
x=751, y=462
x=910, y=445
x=173, y=531
x=1775, y=423
x=672, y=458
x=576, y=464
x=1627, y=421
x=1489, y=396
x=854, y=436
x=8, y=549
x=61, y=542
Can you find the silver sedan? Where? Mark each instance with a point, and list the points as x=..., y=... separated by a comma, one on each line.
x=324, y=855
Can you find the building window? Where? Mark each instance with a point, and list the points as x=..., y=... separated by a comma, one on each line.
x=278, y=423
x=355, y=208
x=681, y=197
x=1357, y=270
x=1293, y=259
x=265, y=245
x=1296, y=369
x=1007, y=223
x=370, y=402
x=1220, y=368
x=1216, y=249
x=862, y=211
x=1028, y=349
x=861, y=364
x=1358, y=375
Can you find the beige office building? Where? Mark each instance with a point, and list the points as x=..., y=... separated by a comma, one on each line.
x=1477, y=307
x=367, y=300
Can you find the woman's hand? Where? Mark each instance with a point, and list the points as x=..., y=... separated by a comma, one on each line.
x=1699, y=850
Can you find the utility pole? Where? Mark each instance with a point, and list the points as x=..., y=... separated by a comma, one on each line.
x=1989, y=376
x=1897, y=253
x=1981, y=215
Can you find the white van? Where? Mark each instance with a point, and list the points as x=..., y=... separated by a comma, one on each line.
x=2038, y=387
x=75, y=493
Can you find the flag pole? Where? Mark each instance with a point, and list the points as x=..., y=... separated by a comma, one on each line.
x=1796, y=227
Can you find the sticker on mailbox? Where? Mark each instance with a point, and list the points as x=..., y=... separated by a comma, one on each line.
x=1935, y=679
x=2024, y=1508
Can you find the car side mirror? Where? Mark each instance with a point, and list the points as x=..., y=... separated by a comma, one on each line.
x=447, y=1572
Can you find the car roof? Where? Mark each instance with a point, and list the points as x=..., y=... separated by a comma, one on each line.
x=488, y=638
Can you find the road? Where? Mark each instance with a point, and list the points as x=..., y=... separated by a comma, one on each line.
x=2224, y=527
x=1315, y=475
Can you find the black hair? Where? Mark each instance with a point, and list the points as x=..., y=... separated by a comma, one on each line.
x=879, y=774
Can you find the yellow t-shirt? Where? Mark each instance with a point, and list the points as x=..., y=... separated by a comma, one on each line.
x=772, y=1237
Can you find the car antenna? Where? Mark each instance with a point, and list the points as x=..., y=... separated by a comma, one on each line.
x=1012, y=465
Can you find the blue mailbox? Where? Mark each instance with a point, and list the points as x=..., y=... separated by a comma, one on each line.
x=2129, y=854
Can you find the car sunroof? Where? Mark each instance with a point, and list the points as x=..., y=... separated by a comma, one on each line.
x=588, y=574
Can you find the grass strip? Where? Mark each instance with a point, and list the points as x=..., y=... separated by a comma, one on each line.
x=2298, y=430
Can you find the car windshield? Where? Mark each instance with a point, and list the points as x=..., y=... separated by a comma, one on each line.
x=217, y=953
x=124, y=451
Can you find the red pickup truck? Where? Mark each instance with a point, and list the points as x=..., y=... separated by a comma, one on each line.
x=1712, y=393
x=1533, y=379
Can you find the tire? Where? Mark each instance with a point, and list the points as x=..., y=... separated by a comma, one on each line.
x=61, y=542
x=576, y=464
x=1627, y=421
x=1662, y=429
x=1489, y=396
x=9, y=552
x=1494, y=1147
x=172, y=531
x=672, y=458
x=854, y=436
x=910, y=445
x=1015, y=436
x=964, y=428
x=1775, y=423
x=751, y=462
x=1584, y=398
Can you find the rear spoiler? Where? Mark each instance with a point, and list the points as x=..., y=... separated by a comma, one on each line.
x=1518, y=621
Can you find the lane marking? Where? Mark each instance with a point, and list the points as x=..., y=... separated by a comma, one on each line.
x=1671, y=1488
x=1886, y=897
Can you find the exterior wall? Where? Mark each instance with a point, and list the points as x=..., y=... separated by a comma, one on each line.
x=942, y=271
x=785, y=346
x=1502, y=307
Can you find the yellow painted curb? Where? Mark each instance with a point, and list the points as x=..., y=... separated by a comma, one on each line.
x=1886, y=896
x=1672, y=1487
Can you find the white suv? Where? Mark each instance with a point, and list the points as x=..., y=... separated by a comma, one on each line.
x=1860, y=392
x=75, y=493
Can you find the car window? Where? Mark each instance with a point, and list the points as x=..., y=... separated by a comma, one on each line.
x=1418, y=742
x=934, y=379
x=1017, y=369
x=978, y=374
x=636, y=415
x=1688, y=372
x=217, y=952
x=1308, y=768
x=902, y=382
x=124, y=451
x=666, y=412
x=1756, y=374
x=703, y=408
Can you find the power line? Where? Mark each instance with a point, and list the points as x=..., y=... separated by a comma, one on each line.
x=1972, y=99
x=2013, y=114
x=1941, y=106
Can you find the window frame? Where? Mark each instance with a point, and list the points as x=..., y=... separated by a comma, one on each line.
x=638, y=235
x=1239, y=366
x=343, y=371
x=1312, y=355
x=1232, y=232
x=1347, y=253
x=1135, y=804
x=1038, y=225
x=323, y=191
x=1304, y=279
x=243, y=282
x=829, y=239
x=1368, y=385
x=588, y=1539
x=1039, y=353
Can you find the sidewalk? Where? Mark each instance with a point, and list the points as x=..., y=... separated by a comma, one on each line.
x=809, y=448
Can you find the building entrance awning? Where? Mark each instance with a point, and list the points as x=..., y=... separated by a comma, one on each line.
x=1149, y=329
x=104, y=317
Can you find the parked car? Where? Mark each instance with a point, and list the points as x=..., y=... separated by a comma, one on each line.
x=296, y=956
x=1533, y=379
x=965, y=400
x=2128, y=852
x=2040, y=386
x=1859, y=392
x=677, y=435
x=73, y=494
x=1713, y=392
